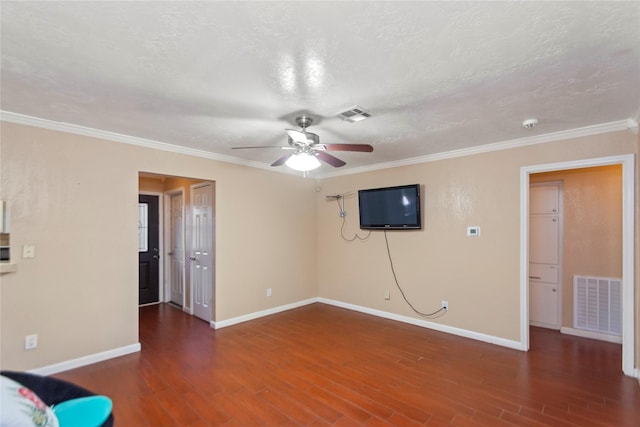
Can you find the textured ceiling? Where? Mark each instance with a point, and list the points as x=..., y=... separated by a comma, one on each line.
x=436, y=76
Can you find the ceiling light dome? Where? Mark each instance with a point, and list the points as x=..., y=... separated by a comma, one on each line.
x=303, y=162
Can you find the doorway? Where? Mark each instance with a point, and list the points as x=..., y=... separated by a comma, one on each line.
x=184, y=209
x=148, y=249
x=628, y=174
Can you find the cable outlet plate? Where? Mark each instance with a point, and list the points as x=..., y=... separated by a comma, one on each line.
x=445, y=305
x=473, y=231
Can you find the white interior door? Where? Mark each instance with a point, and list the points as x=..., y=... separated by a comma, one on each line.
x=545, y=284
x=201, y=256
x=176, y=249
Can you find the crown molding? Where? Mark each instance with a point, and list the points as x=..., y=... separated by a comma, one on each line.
x=620, y=125
x=22, y=119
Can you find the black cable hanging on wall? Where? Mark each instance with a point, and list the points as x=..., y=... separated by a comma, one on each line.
x=395, y=278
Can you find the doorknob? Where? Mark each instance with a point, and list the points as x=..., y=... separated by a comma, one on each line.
x=156, y=257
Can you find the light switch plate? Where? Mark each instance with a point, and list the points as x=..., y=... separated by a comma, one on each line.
x=28, y=251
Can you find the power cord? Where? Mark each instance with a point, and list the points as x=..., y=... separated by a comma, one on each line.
x=395, y=278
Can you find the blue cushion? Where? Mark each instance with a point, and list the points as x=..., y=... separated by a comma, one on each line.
x=89, y=411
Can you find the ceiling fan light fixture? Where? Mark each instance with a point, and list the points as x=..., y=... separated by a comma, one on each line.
x=307, y=152
x=303, y=162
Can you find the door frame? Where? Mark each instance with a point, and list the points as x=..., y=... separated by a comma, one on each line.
x=628, y=255
x=160, y=242
x=166, y=266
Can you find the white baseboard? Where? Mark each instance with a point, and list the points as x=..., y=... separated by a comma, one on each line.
x=429, y=325
x=410, y=320
x=86, y=360
x=149, y=304
x=263, y=313
x=593, y=335
x=122, y=351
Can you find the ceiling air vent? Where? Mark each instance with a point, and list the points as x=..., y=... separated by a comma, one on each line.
x=354, y=114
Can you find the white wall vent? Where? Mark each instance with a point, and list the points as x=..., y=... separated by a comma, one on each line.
x=597, y=304
x=354, y=114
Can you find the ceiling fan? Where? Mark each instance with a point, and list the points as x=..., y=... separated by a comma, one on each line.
x=306, y=149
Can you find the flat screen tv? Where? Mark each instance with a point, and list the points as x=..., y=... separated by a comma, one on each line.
x=390, y=208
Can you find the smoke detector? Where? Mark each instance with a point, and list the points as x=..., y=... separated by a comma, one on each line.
x=530, y=123
x=354, y=114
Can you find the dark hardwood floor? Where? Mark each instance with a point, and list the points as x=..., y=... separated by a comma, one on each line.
x=320, y=365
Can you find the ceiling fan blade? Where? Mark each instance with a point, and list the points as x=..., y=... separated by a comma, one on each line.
x=365, y=148
x=297, y=136
x=282, y=159
x=328, y=158
x=282, y=147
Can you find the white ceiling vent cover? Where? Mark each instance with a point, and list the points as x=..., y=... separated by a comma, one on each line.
x=354, y=114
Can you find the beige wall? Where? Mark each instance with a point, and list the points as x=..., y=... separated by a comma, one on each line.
x=75, y=199
x=479, y=276
x=152, y=184
x=592, y=226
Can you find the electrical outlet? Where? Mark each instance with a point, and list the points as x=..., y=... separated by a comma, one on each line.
x=445, y=305
x=31, y=342
x=387, y=294
x=268, y=292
